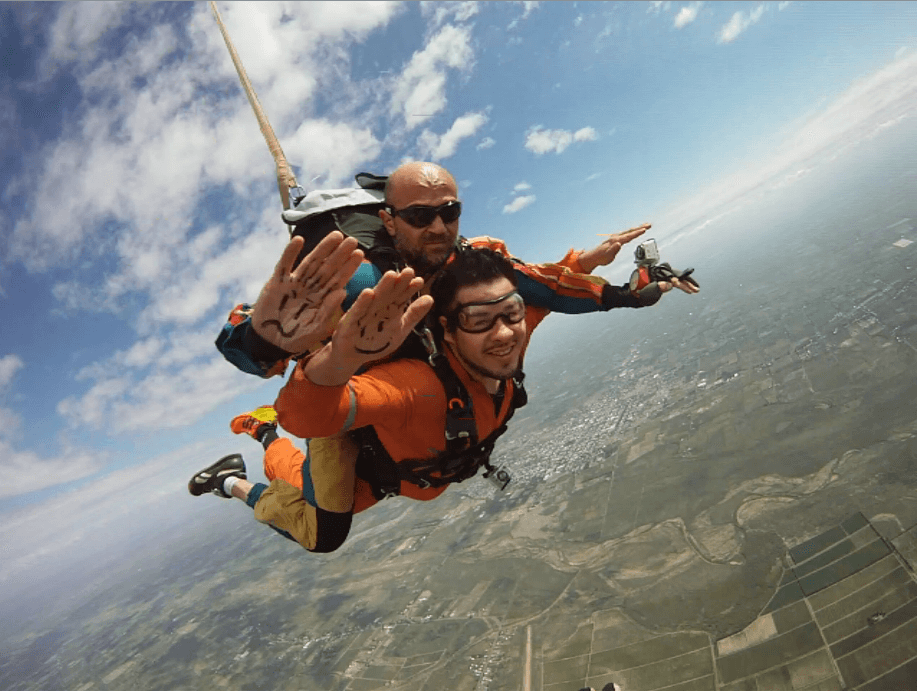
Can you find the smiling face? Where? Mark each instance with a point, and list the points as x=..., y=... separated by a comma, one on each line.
x=421, y=184
x=495, y=354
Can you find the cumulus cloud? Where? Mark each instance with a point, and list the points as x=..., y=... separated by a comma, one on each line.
x=486, y=143
x=518, y=204
x=739, y=22
x=332, y=150
x=75, y=32
x=170, y=186
x=437, y=147
x=420, y=91
x=687, y=14
x=541, y=140
x=9, y=365
x=522, y=187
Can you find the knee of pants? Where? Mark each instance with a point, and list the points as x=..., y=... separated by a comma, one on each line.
x=283, y=461
x=332, y=529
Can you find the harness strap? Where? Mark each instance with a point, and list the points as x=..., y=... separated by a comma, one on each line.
x=377, y=467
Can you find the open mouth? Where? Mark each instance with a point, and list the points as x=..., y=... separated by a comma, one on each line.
x=502, y=352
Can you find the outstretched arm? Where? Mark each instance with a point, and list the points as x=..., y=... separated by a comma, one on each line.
x=605, y=253
x=373, y=328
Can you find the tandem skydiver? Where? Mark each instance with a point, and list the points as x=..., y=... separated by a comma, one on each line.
x=422, y=219
x=410, y=414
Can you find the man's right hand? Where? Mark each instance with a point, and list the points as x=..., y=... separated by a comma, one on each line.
x=373, y=328
x=296, y=305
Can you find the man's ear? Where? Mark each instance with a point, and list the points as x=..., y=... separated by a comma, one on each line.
x=388, y=221
x=448, y=337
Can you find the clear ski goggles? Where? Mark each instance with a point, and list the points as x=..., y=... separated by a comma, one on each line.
x=422, y=216
x=478, y=317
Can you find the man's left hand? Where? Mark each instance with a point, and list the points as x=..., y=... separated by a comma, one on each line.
x=686, y=286
x=604, y=254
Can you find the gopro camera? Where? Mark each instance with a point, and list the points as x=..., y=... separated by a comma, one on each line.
x=499, y=477
x=650, y=270
x=646, y=254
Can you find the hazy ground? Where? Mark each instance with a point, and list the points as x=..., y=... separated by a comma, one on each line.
x=666, y=461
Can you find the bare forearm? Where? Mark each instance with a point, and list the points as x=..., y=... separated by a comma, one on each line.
x=589, y=260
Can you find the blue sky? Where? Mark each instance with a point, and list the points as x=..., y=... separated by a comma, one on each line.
x=138, y=203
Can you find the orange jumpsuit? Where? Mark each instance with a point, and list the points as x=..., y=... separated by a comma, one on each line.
x=312, y=497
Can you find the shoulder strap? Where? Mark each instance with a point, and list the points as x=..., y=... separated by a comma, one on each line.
x=463, y=457
x=461, y=429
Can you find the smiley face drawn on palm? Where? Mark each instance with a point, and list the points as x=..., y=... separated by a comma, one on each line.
x=295, y=308
x=377, y=328
x=381, y=317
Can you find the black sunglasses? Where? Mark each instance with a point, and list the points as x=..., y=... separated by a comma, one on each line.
x=422, y=216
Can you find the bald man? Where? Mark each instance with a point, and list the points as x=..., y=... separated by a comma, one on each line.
x=301, y=303
x=426, y=248
x=422, y=218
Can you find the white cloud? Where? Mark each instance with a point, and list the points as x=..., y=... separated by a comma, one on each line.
x=9, y=365
x=518, y=204
x=541, y=141
x=440, y=12
x=166, y=398
x=522, y=187
x=420, y=92
x=657, y=6
x=739, y=22
x=435, y=147
x=74, y=34
x=162, y=125
x=528, y=6
x=586, y=134
x=486, y=143
x=578, y=20
x=784, y=4
x=687, y=14
x=110, y=159
x=331, y=149
x=26, y=471
x=64, y=531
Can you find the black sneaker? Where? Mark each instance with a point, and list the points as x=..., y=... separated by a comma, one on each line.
x=211, y=479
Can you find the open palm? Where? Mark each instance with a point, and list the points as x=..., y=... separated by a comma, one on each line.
x=297, y=304
x=381, y=318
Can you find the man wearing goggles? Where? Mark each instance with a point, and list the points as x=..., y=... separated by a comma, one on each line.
x=421, y=216
x=297, y=309
x=483, y=331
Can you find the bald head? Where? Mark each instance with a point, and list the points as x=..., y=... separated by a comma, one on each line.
x=420, y=184
x=404, y=184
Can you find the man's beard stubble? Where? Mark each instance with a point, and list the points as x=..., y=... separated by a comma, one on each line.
x=423, y=265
